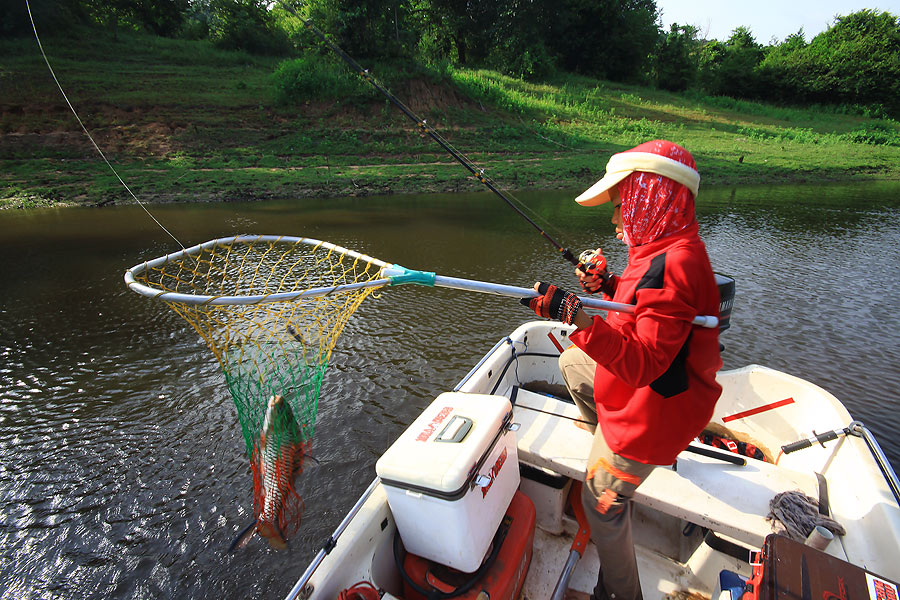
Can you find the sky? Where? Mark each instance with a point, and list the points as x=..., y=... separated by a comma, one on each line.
x=765, y=18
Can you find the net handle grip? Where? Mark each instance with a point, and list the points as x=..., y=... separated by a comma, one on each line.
x=401, y=276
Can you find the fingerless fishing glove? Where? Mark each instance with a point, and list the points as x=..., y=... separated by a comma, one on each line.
x=554, y=303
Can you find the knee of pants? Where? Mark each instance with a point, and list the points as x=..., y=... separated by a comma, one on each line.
x=604, y=509
x=573, y=356
x=578, y=370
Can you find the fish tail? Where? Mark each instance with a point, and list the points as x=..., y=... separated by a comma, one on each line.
x=243, y=538
x=271, y=532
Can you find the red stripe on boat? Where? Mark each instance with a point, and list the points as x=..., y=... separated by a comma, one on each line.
x=555, y=342
x=758, y=409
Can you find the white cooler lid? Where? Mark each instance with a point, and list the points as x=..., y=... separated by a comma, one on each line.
x=438, y=451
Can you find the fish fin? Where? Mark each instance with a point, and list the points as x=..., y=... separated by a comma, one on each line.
x=299, y=467
x=243, y=538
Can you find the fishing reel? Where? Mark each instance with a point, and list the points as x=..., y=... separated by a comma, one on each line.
x=592, y=262
x=591, y=259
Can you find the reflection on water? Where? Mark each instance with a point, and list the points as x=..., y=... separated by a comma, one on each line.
x=124, y=473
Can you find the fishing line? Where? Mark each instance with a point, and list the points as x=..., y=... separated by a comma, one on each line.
x=87, y=133
x=474, y=169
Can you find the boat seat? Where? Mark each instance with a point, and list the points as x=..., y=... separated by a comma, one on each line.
x=729, y=499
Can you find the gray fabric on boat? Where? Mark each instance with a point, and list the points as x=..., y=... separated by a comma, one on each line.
x=795, y=514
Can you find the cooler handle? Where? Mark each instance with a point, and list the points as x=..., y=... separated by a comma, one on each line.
x=455, y=431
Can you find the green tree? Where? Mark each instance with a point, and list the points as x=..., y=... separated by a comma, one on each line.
x=709, y=66
x=677, y=57
x=730, y=69
x=458, y=30
x=604, y=38
x=50, y=16
x=775, y=70
x=856, y=61
x=160, y=17
x=507, y=35
x=366, y=28
x=246, y=25
x=519, y=39
x=743, y=55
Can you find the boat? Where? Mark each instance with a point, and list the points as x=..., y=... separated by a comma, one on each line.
x=705, y=516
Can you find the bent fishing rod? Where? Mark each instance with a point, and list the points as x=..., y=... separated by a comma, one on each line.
x=423, y=126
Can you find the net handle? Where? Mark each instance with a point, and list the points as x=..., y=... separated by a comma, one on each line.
x=484, y=287
x=197, y=299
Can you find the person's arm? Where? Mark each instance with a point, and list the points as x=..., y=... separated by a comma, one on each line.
x=582, y=320
x=638, y=353
x=642, y=349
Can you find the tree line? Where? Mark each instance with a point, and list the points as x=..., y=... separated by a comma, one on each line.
x=854, y=63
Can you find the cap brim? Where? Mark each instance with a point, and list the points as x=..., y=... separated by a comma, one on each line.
x=599, y=192
x=623, y=164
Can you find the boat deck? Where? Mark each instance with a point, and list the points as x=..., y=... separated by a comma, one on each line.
x=729, y=499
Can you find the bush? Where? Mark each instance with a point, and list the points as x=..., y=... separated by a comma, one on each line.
x=876, y=134
x=799, y=135
x=314, y=77
x=856, y=61
x=522, y=62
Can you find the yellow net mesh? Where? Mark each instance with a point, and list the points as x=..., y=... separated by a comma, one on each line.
x=245, y=297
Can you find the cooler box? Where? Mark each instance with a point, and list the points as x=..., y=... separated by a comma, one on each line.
x=450, y=477
x=789, y=570
x=502, y=579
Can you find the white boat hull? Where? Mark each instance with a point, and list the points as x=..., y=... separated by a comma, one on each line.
x=680, y=515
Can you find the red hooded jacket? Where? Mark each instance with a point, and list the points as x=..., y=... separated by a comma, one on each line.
x=655, y=384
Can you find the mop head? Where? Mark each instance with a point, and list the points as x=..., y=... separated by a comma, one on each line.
x=796, y=515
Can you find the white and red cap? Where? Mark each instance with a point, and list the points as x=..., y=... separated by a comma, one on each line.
x=658, y=156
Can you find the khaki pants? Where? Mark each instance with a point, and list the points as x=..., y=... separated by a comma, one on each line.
x=610, y=482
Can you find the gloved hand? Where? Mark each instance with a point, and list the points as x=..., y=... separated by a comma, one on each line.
x=595, y=273
x=554, y=303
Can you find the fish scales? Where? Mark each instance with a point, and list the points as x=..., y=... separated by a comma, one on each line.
x=280, y=453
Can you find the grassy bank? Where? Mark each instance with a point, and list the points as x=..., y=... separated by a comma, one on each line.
x=182, y=121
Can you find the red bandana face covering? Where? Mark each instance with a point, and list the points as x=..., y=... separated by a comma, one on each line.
x=654, y=206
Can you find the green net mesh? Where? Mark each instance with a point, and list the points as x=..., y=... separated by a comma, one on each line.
x=272, y=342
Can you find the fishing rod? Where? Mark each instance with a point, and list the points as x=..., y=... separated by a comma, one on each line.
x=423, y=126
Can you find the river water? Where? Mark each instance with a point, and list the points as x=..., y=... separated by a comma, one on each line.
x=123, y=467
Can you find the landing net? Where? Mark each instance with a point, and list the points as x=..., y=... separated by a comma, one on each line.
x=271, y=309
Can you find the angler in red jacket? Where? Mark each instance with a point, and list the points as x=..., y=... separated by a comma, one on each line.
x=647, y=379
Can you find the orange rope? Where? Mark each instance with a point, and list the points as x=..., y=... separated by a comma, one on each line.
x=362, y=590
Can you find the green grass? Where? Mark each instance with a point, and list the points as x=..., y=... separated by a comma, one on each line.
x=184, y=121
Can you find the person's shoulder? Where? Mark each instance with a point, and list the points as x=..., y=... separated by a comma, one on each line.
x=688, y=264
x=688, y=250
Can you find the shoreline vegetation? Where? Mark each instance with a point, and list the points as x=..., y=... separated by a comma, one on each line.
x=182, y=121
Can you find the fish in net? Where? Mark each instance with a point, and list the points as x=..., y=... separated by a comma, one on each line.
x=271, y=309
